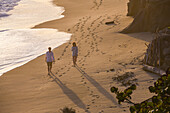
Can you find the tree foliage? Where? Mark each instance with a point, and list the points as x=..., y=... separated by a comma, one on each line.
x=159, y=103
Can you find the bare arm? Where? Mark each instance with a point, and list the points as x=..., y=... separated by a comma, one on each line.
x=46, y=57
x=77, y=51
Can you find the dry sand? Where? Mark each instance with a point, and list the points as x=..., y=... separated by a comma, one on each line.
x=86, y=88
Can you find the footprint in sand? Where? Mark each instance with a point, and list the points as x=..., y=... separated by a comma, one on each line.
x=97, y=50
x=58, y=59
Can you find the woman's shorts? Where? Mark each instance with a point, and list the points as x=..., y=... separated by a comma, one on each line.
x=49, y=64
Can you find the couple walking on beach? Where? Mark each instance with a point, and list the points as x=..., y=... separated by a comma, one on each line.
x=50, y=56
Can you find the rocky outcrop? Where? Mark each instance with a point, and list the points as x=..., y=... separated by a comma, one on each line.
x=158, y=52
x=135, y=6
x=149, y=15
x=165, y=54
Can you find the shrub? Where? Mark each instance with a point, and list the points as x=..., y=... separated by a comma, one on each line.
x=159, y=103
x=68, y=110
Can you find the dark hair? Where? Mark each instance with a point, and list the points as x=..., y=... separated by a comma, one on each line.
x=49, y=48
x=168, y=71
x=74, y=44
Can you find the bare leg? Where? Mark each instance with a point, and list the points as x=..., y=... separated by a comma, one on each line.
x=75, y=59
x=50, y=66
x=74, y=62
x=48, y=69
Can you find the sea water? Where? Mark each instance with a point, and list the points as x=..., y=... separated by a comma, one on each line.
x=18, y=42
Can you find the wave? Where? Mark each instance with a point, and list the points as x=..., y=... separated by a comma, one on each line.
x=18, y=43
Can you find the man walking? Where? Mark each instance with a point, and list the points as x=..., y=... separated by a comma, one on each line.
x=49, y=59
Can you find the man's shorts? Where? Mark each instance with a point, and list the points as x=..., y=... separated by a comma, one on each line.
x=49, y=64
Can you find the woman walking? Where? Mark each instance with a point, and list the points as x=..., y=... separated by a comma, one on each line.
x=49, y=59
x=74, y=53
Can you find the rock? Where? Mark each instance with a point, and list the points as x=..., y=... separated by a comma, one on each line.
x=167, y=59
x=153, y=70
x=166, y=51
x=134, y=6
x=110, y=23
x=166, y=43
x=166, y=30
x=149, y=15
x=164, y=48
x=164, y=66
x=112, y=70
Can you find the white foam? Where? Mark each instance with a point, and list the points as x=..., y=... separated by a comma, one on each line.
x=18, y=43
x=22, y=45
x=30, y=13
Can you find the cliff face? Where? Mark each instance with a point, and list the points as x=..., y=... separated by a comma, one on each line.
x=135, y=6
x=158, y=52
x=149, y=15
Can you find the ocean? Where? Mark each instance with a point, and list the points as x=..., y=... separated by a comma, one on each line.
x=19, y=43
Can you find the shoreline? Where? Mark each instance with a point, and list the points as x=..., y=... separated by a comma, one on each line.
x=20, y=30
x=28, y=89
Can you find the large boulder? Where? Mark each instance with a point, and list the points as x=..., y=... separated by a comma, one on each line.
x=158, y=52
x=166, y=51
x=149, y=15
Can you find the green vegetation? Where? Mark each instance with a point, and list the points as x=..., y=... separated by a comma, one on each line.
x=126, y=79
x=159, y=103
x=68, y=110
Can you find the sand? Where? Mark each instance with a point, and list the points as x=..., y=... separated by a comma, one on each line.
x=104, y=53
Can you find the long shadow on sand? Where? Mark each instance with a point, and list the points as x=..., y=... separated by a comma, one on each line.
x=97, y=85
x=69, y=93
x=148, y=37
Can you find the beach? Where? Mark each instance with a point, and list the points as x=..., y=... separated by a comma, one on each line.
x=104, y=53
